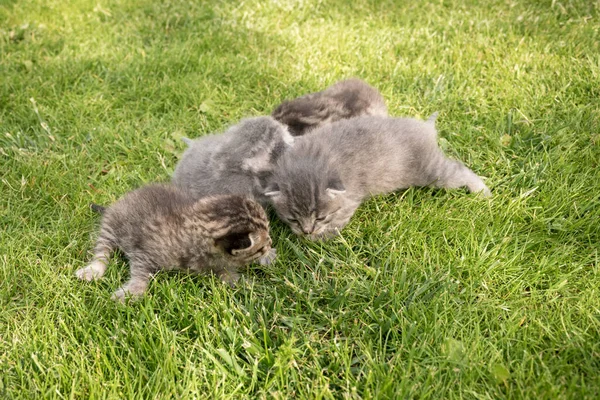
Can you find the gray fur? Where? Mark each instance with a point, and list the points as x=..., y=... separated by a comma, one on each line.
x=321, y=181
x=160, y=227
x=233, y=162
x=346, y=99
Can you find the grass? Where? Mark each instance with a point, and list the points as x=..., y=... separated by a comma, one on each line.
x=428, y=294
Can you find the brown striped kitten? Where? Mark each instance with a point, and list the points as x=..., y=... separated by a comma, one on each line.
x=161, y=227
x=346, y=99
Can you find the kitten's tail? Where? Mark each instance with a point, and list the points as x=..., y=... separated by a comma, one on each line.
x=97, y=208
x=187, y=141
x=433, y=117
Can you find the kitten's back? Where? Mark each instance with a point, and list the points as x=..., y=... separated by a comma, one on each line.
x=138, y=207
x=365, y=149
x=232, y=162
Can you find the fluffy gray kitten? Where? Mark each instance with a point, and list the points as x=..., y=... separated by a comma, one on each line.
x=233, y=162
x=319, y=183
x=160, y=227
x=345, y=99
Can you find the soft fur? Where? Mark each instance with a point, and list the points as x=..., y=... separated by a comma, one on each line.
x=346, y=99
x=160, y=227
x=233, y=162
x=321, y=181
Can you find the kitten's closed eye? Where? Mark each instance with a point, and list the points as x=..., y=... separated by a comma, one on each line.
x=234, y=241
x=327, y=216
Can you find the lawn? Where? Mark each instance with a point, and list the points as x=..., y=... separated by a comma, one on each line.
x=427, y=293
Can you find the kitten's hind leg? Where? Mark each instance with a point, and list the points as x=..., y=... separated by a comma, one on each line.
x=97, y=267
x=453, y=174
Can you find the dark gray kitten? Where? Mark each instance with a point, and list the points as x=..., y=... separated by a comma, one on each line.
x=319, y=183
x=160, y=227
x=346, y=99
x=233, y=162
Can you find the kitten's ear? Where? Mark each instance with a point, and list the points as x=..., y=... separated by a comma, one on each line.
x=272, y=190
x=233, y=243
x=335, y=187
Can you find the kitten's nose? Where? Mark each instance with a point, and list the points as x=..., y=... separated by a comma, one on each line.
x=307, y=229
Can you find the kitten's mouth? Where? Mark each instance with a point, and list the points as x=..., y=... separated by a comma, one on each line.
x=323, y=234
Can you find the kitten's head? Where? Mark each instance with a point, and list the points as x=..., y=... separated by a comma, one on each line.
x=308, y=194
x=238, y=227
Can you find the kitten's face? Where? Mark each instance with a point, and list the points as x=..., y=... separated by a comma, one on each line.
x=239, y=226
x=311, y=208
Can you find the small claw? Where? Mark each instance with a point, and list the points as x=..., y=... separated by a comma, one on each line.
x=89, y=273
x=268, y=258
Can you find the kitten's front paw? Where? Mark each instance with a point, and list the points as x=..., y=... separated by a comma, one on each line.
x=229, y=277
x=134, y=289
x=119, y=295
x=122, y=294
x=268, y=258
x=90, y=273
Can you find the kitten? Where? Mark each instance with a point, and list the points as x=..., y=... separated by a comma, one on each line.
x=346, y=99
x=321, y=181
x=234, y=162
x=160, y=227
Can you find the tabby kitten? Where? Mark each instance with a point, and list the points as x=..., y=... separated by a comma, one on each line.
x=237, y=161
x=346, y=99
x=160, y=227
x=319, y=183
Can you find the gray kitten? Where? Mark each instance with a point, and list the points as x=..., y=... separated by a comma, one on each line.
x=321, y=181
x=160, y=227
x=234, y=162
x=346, y=99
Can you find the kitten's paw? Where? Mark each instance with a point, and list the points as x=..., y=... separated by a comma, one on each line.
x=122, y=294
x=480, y=188
x=229, y=277
x=133, y=289
x=119, y=295
x=268, y=258
x=92, y=272
x=483, y=191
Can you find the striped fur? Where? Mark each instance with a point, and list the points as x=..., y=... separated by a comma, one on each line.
x=160, y=227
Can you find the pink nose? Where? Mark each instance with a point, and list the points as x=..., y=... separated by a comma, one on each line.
x=307, y=229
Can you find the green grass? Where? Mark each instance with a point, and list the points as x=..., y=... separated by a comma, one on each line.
x=427, y=294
